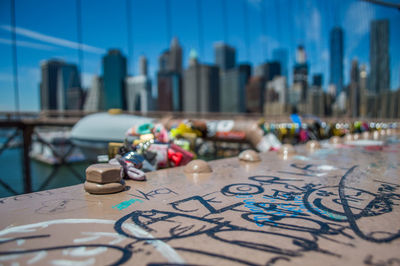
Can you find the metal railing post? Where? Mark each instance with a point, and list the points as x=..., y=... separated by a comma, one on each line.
x=27, y=131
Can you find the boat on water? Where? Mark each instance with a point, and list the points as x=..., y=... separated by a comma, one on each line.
x=93, y=132
x=51, y=146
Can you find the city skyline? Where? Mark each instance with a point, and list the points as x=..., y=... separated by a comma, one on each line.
x=36, y=41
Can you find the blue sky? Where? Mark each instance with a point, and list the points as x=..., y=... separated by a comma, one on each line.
x=47, y=29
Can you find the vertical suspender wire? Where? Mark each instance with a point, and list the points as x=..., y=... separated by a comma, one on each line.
x=14, y=56
x=263, y=31
x=201, y=48
x=129, y=36
x=317, y=41
x=298, y=22
x=79, y=35
x=225, y=20
x=328, y=11
x=287, y=40
x=335, y=13
x=200, y=27
x=246, y=29
x=278, y=21
x=291, y=40
x=168, y=20
x=303, y=24
x=299, y=30
x=279, y=26
x=328, y=28
x=295, y=20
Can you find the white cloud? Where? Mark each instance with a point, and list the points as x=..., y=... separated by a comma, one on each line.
x=32, y=45
x=313, y=32
x=357, y=23
x=358, y=17
x=53, y=40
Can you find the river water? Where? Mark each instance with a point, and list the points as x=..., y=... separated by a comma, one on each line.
x=11, y=173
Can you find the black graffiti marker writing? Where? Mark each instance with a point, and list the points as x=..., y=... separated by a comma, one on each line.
x=241, y=189
x=351, y=218
x=153, y=193
x=204, y=203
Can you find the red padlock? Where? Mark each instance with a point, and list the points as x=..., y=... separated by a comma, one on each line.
x=175, y=157
x=187, y=156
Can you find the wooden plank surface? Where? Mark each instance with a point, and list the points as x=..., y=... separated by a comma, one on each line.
x=334, y=206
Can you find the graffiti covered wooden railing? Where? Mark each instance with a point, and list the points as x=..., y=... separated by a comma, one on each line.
x=338, y=204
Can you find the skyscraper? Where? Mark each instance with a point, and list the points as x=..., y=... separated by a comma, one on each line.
x=169, y=78
x=114, y=73
x=276, y=97
x=268, y=70
x=225, y=56
x=175, y=56
x=276, y=90
x=58, y=78
x=48, y=85
x=318, y=80
x=75, y=98
x=138, y=93
x=163, y=61
x=255, y=89
x=143, y=65
x=255, y=94
x=169, y=91
x=95, y=97
x=300, y=73
x=301, y=56
x=201, y=87
x=233, y=89
x=354, y=89
x=336, y=59
x=316, y=102
x=365, y=94
x=69, y=93
x=138, y=89
x=379, y=56
x=281, y=55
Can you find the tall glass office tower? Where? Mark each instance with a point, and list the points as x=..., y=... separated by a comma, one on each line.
x=336, y=59
x=59, y=81
x=379, y=56
x=225, y=56
x=114, y=73
x=281, y=55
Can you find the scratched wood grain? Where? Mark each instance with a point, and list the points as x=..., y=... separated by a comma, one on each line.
x=333, y=206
